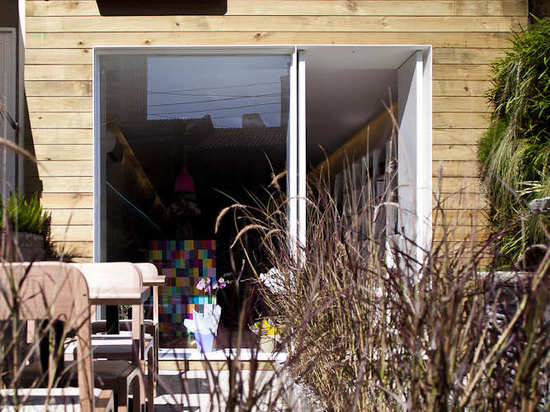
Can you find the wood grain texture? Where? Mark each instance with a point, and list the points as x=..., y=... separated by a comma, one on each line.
x=58, y=88
x=84, y=250
x=65, y=217
x=63, y=168
x=67, y=184
x=274, y=23
x=454, y=152
x=468, y=55
x=462, y=201
x=61, y=120
x=457, y=136
x=467, y=104
x=460, y=71
x=67, y=200
x=63, y=152
x=317, y=7
x=477, y=233
x=59, y=104
x=455, y=168
x=64, y=42
x=55, y=56
x=72, y=233
x=62, y=136
x=460, y=120
x=460, y=217
x=59, y=72
x=457, y=185
x=460, y=87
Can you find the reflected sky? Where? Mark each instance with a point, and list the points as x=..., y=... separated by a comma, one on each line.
x=224, y=87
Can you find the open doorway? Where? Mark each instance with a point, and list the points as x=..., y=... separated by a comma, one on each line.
x=181, y=134
x=369, y=115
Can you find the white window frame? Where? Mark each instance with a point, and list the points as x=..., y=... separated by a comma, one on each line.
x=296, y=142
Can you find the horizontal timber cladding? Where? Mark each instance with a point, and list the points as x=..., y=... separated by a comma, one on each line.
x=466, y=35
x=53, y=24
x=62, y=168
x=318, y=7
x=82, y=249
x=62, y=217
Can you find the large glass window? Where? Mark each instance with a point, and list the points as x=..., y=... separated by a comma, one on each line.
x=181, y=136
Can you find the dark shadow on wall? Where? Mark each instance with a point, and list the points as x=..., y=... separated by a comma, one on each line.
x=161, y=7
x=32, y=182
x=539, y=8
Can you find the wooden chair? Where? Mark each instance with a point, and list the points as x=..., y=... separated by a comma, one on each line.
x=51, y=291
x=134, y=347
x=150, y=275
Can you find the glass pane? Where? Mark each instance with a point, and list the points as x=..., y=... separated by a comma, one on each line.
x=182, y=137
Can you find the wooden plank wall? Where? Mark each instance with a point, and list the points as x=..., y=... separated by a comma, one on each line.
x=467, y=36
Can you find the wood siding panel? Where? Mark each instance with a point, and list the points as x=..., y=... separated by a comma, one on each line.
x=63, y=42
x=63, y=152
x=275, y=23
x=63, y=137
x=64, y=217
x=317, y=7
x=468, y=55
x=68, y=200
x=456, y=136
x=67, y=184
x=84, y=250
x=451, y=72
x=460, y=120
x=454, y=152
x=59, y=72
x=63, y=168
x=58, y=88
x=63, y=120
x=460, y=87
x=60, y=104
x=72, y=233
x=459, y=218
x=55, y=55
x=463, y=201
x=454, y=168
x=468, y=104
x=457, y=185
x=466, y=35
x=477, y=233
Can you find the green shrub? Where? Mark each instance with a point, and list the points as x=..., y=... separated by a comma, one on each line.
x=26, y=215
x=515, y=152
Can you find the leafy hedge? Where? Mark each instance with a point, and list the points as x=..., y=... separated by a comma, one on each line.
x=515, y=152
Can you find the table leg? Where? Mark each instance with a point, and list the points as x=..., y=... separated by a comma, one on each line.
x=155, y=304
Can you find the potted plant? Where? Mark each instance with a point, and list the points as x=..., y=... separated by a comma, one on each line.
x=27, y=228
